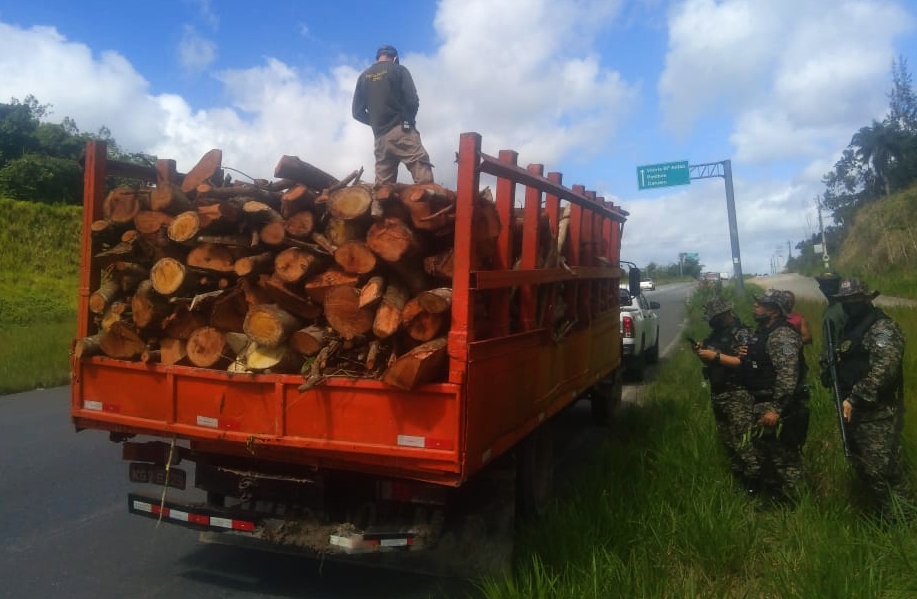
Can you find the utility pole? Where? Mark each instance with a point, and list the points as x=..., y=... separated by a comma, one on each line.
x=824, y=247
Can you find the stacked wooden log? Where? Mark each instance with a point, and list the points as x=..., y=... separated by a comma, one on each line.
x=303, y=274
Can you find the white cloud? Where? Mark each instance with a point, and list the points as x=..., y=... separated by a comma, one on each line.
x=195, y=52
x=797, y=78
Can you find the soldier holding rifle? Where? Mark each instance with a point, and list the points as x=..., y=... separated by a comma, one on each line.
x=870, y=381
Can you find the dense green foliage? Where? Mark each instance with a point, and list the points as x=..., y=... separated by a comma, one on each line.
x=39, y=270
x=879, y=163
x=39, y=159
x=658, y=516
x=39, y=262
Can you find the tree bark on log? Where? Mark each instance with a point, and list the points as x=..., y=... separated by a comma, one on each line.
x=424, y=364
x=254, y=265
x=87, y=346
x=291, y=167
x=208, y=166
x=388, y=315
x=229, y=311
x=436, y=301
x=122, y=204
x=318, y=286
x=148, y=309
x=419, y=324
x=211, y=257
x=169, y=198
x=172, y=350
x=150, y=222
x=297, y=199
x=293, y=303
x=308, y=341
x=294, y=264
x=102, y=297
x=122, y=342
x=182, y=322
x=207, y=348
x=372, y=291
x=440, y=266
x=391, y=239
x=355, y=257
x=268, y=325
x=343, y=312
x=300, y=225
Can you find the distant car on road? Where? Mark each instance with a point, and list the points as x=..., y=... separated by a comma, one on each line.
x=647, y=285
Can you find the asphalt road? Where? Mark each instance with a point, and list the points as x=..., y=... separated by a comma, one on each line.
x=807, y=287
x=65, y=531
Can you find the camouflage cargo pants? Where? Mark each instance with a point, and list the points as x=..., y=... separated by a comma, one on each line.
x=397, y=146
x=732, y=413
x=875, y=448
x=780, y=460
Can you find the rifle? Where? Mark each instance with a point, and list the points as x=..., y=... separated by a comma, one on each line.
x=835, y=388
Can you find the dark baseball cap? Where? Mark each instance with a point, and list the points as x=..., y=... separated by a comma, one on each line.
x=386, y=50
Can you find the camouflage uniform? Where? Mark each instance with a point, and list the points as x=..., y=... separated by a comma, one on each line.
x=774, y=370
x=730, y=401
x=870, y=377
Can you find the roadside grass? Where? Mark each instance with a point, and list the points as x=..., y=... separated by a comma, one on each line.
x=39, y=265
x=658, y=515
x=35, y=356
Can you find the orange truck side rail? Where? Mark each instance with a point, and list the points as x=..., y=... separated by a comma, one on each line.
x=542, y=346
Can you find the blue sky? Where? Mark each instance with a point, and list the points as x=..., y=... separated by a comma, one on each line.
x=591, y=88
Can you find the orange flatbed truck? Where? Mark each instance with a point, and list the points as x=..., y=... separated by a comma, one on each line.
x=354, y=468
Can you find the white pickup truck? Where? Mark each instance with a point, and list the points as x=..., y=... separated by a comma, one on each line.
x=639, y=331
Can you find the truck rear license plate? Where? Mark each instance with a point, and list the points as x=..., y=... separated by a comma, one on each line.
x=156, y=475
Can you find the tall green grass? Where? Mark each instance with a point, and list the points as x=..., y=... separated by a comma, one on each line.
x=39, y=270
x=658, y=515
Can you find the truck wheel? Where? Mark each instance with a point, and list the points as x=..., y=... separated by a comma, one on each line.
x=605, y=398
x=652, y=355
x=637, y=366
x=534, y=473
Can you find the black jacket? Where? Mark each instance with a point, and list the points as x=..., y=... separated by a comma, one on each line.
x=385, y=96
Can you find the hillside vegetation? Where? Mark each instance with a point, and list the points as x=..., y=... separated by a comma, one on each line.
x=881, y=246
x=39, y=269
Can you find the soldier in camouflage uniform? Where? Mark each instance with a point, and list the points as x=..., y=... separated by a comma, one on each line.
x=731, y=402
x=871, y=380
x=773, y=370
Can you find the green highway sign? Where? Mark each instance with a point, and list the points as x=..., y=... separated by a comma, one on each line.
x=663, y=175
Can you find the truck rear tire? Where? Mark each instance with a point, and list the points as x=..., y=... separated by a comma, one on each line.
x=652, y=354
x=637, y=366
x=605, y=398
x=534, y=473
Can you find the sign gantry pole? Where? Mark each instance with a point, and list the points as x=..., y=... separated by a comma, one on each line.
x=667, y=174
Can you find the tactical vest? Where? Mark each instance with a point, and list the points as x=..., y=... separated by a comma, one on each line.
x=758, y=373
x=853, y=357
x=726, y=340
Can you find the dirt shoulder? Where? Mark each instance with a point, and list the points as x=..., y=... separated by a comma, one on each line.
x=806, y=287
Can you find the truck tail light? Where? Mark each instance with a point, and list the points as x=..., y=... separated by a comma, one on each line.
x=627, y=327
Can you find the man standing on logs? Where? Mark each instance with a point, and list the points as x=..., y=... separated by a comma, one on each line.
x=385, y=99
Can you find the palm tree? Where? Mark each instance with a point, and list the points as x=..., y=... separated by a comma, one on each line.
x=879, y=147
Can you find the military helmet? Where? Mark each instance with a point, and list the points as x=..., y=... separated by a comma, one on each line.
x=773, y=297
x=387, y=51
x=854, y=287
x=714, y=307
